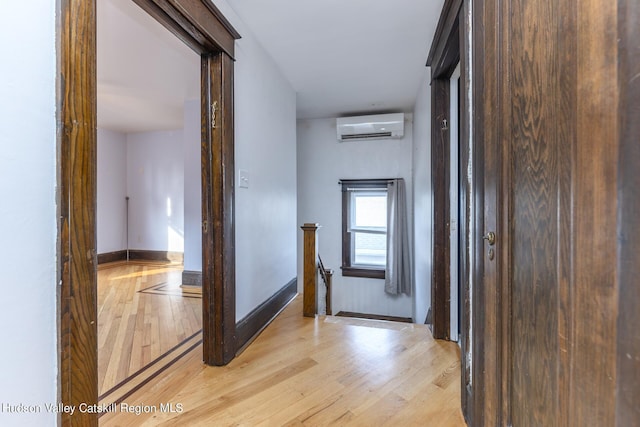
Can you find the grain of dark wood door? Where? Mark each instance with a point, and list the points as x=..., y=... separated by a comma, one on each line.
x=545, y=304
x=538, y=198
x=558, y=206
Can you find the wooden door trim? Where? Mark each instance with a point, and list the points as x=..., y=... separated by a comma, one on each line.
x=628, y=334
x=466, y=151
x=206, y=31
x=218, y=233
x=486, y=334
x=199, y=24
x=76, y=200
x=444, y=53
x=444, y=56
x=440, y=159
x=450, y=42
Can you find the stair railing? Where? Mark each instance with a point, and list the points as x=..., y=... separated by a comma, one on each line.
x=326, y=274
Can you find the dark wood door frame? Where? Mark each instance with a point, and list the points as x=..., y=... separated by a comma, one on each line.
x=449, y=48
x=443, y=58
x=203, y=28
x=628, y=235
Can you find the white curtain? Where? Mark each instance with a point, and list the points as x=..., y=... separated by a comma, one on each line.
x=398, y=271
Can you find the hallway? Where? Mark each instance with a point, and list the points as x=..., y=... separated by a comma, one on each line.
x=303, y=371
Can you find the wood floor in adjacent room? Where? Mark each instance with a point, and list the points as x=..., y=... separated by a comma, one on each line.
x=309, y=372
x=144, y=316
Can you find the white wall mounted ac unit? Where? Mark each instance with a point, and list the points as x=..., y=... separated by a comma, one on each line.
x=379, y=126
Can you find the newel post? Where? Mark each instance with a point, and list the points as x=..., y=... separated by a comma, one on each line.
x=310, y=276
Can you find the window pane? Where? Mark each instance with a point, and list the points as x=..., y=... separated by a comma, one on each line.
x=370, y=249
x=370, y=209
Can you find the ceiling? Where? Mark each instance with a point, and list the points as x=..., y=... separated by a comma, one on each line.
x=342, y=57
x=144, y=72
x=346, y=56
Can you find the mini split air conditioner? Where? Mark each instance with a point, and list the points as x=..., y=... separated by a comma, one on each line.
x=380, y=126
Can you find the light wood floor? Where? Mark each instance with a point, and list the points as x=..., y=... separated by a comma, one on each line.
x=143, y=314
x=311, y=372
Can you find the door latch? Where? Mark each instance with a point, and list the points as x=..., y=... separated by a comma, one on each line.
x=490, y=238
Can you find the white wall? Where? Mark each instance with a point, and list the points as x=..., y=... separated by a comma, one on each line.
x=111, y=210
x=148, y=168
x=28, y=361
x=265, y=213
x=155, y=185
x=322, y=162
x=265, y=141
x=192, y=187
x=423, y=199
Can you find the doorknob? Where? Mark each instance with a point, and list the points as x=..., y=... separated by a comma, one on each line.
x=490, y=238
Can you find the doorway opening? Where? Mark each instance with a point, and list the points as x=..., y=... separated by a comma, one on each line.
x=202, y=27
x=454, y=178
x=148, y=211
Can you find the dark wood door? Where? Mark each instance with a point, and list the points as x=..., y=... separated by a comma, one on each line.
x=558, y=198
x=547, y=111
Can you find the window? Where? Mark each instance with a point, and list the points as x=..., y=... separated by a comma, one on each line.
x=364, y=228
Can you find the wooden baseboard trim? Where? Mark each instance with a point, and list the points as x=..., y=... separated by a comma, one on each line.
x=374, y=317
x=115, y=256
x=251, y=325
x=143, y=255
x=192, y=278
x=164, y=256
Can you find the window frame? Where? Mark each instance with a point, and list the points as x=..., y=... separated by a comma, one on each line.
x=348, y=269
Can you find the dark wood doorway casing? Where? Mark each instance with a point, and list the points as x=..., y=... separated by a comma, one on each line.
x=443, y=58
x=202, y=27
x=218, y=238
x=628, y=236
x=449, y=48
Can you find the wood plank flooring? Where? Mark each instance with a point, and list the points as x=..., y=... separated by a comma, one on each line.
x=309, y=372
x=143, y=314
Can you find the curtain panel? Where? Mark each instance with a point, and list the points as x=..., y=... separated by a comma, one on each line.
x=398, y=269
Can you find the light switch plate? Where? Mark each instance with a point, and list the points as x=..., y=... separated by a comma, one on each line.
x=243, y=179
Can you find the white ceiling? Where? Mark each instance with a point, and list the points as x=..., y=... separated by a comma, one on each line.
x=346, y=56
x=144, y=72
x=342, y=57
